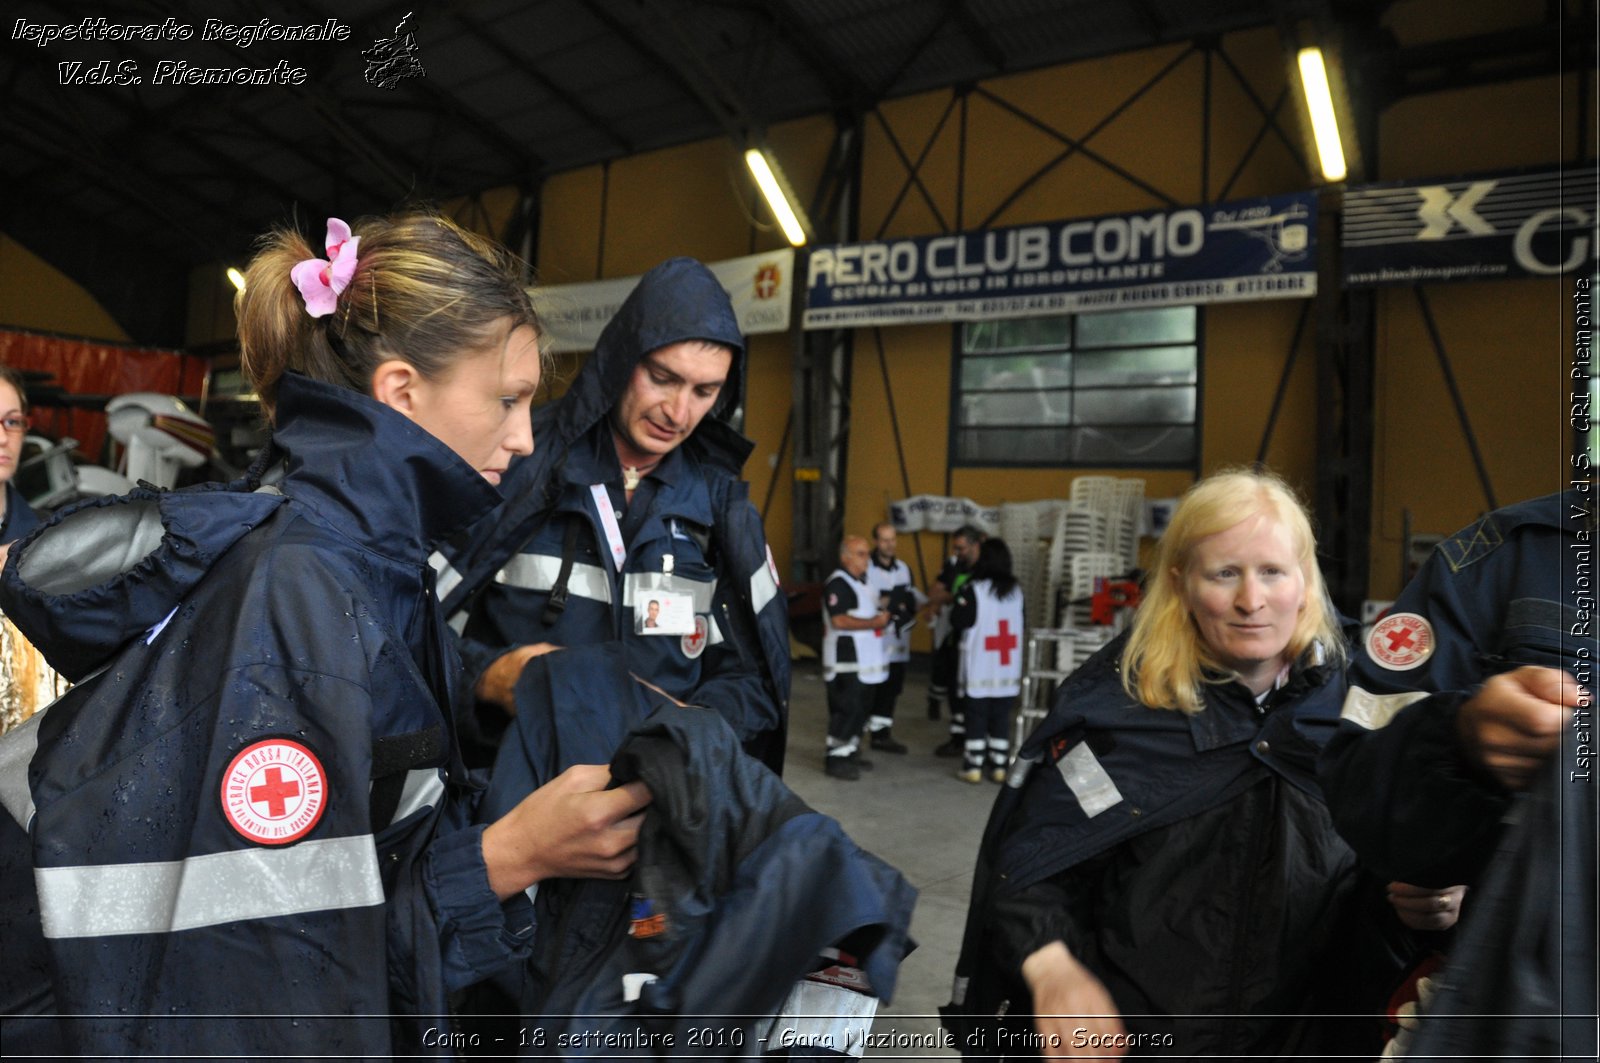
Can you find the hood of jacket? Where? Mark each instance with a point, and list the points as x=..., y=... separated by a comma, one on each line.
x=676, y=301
x=108, y=571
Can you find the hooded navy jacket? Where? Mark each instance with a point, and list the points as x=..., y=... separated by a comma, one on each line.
x=690, y=530
x=248, y=807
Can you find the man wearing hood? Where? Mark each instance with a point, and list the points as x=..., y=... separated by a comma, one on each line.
x=634, y=495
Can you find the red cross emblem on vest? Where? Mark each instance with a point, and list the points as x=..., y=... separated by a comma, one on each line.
x=1003, y=643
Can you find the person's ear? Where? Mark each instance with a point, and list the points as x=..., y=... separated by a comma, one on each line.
x=395, y=383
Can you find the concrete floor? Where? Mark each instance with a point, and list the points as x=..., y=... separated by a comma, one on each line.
x=911, y=812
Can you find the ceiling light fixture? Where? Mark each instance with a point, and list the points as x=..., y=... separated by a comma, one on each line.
x=779, y=197
x=1324, y=123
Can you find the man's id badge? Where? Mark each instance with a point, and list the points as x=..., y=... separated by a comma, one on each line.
x=660, y=613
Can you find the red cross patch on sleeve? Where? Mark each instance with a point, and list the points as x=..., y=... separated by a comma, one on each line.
x=274, y=791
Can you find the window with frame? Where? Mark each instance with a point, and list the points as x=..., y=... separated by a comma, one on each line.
x=1119, y=388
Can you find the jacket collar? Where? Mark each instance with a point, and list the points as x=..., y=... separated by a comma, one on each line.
x=372, y=473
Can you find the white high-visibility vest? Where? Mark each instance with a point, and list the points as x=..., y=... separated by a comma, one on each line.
x=870, y=665
x=991, y=649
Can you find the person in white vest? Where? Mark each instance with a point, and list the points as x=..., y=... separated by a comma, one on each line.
x=987, y=618
x=900, y=598
x=853, y=660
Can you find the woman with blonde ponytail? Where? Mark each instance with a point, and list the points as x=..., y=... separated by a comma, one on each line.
x=250, y=827
x=1161, y=876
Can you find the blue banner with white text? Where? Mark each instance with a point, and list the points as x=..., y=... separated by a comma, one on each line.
x=1485, y=227
x=1229, y=252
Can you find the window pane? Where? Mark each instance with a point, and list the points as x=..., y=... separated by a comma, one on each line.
x=1016, y=408
x=1138, y=365
x=1018, y=332
x=1168, y=324
x=1011, y=446
x=1135, y=405
x=1017, y=371
x=1143, y=445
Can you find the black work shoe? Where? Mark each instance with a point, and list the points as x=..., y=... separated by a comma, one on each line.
x=955, y=747
x=884, y=742
x=840, y=768
x=861, y=762
x=933, y=709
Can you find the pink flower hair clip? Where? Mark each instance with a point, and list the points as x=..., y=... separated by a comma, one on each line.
x=321, y=280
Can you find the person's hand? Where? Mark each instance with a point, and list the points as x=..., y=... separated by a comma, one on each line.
x=498, y=683
x=1514, y=723
x=1421, y=908
x=880, y=621
x=571, y=827
x=1073, y=1014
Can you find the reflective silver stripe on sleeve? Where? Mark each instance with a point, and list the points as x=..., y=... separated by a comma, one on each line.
x=637, y=586
x=17, y=747
x=1088, y=781
x=445, y=576
x=423, y=788
x=1373, y=711
x=714, y=636
x=763, y=588
x=538, y=572
x=824, y=1016
x=155, y=898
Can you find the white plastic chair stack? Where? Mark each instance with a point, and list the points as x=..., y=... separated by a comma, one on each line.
x=1020, y=528
x=1127, y=516
x=1083, y=570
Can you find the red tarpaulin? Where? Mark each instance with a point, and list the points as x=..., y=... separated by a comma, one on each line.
x=95, y=367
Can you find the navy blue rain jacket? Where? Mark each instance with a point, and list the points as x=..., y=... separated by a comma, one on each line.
x=1098, y=778
x=742, y=885
x=20, y=519
x=249, y=806
x=690, y=530
x=1498, y=594
x=1515, y=588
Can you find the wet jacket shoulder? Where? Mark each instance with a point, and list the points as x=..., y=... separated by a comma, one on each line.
x=1500, y=593
x=264, y=737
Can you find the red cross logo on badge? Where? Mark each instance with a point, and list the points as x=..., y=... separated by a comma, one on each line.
x=274, y=791
x=694, y=643
x=1401, y=641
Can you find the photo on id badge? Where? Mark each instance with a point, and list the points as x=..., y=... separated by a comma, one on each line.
x=664, y=614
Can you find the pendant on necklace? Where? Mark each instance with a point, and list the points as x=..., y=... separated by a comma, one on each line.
x=630, y=478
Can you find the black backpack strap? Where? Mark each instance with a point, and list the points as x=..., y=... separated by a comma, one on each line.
x=556, y=604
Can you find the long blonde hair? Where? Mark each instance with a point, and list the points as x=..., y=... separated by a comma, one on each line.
x=1165, y=663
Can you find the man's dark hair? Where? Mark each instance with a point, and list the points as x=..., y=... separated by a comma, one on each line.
x=970, y=532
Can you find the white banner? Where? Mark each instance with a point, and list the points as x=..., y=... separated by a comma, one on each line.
x=937, y=513
x=761, y=287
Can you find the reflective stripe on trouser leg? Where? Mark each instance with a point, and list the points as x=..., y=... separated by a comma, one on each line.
x=998, y=749
x=974, y=753
x=878, y=723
